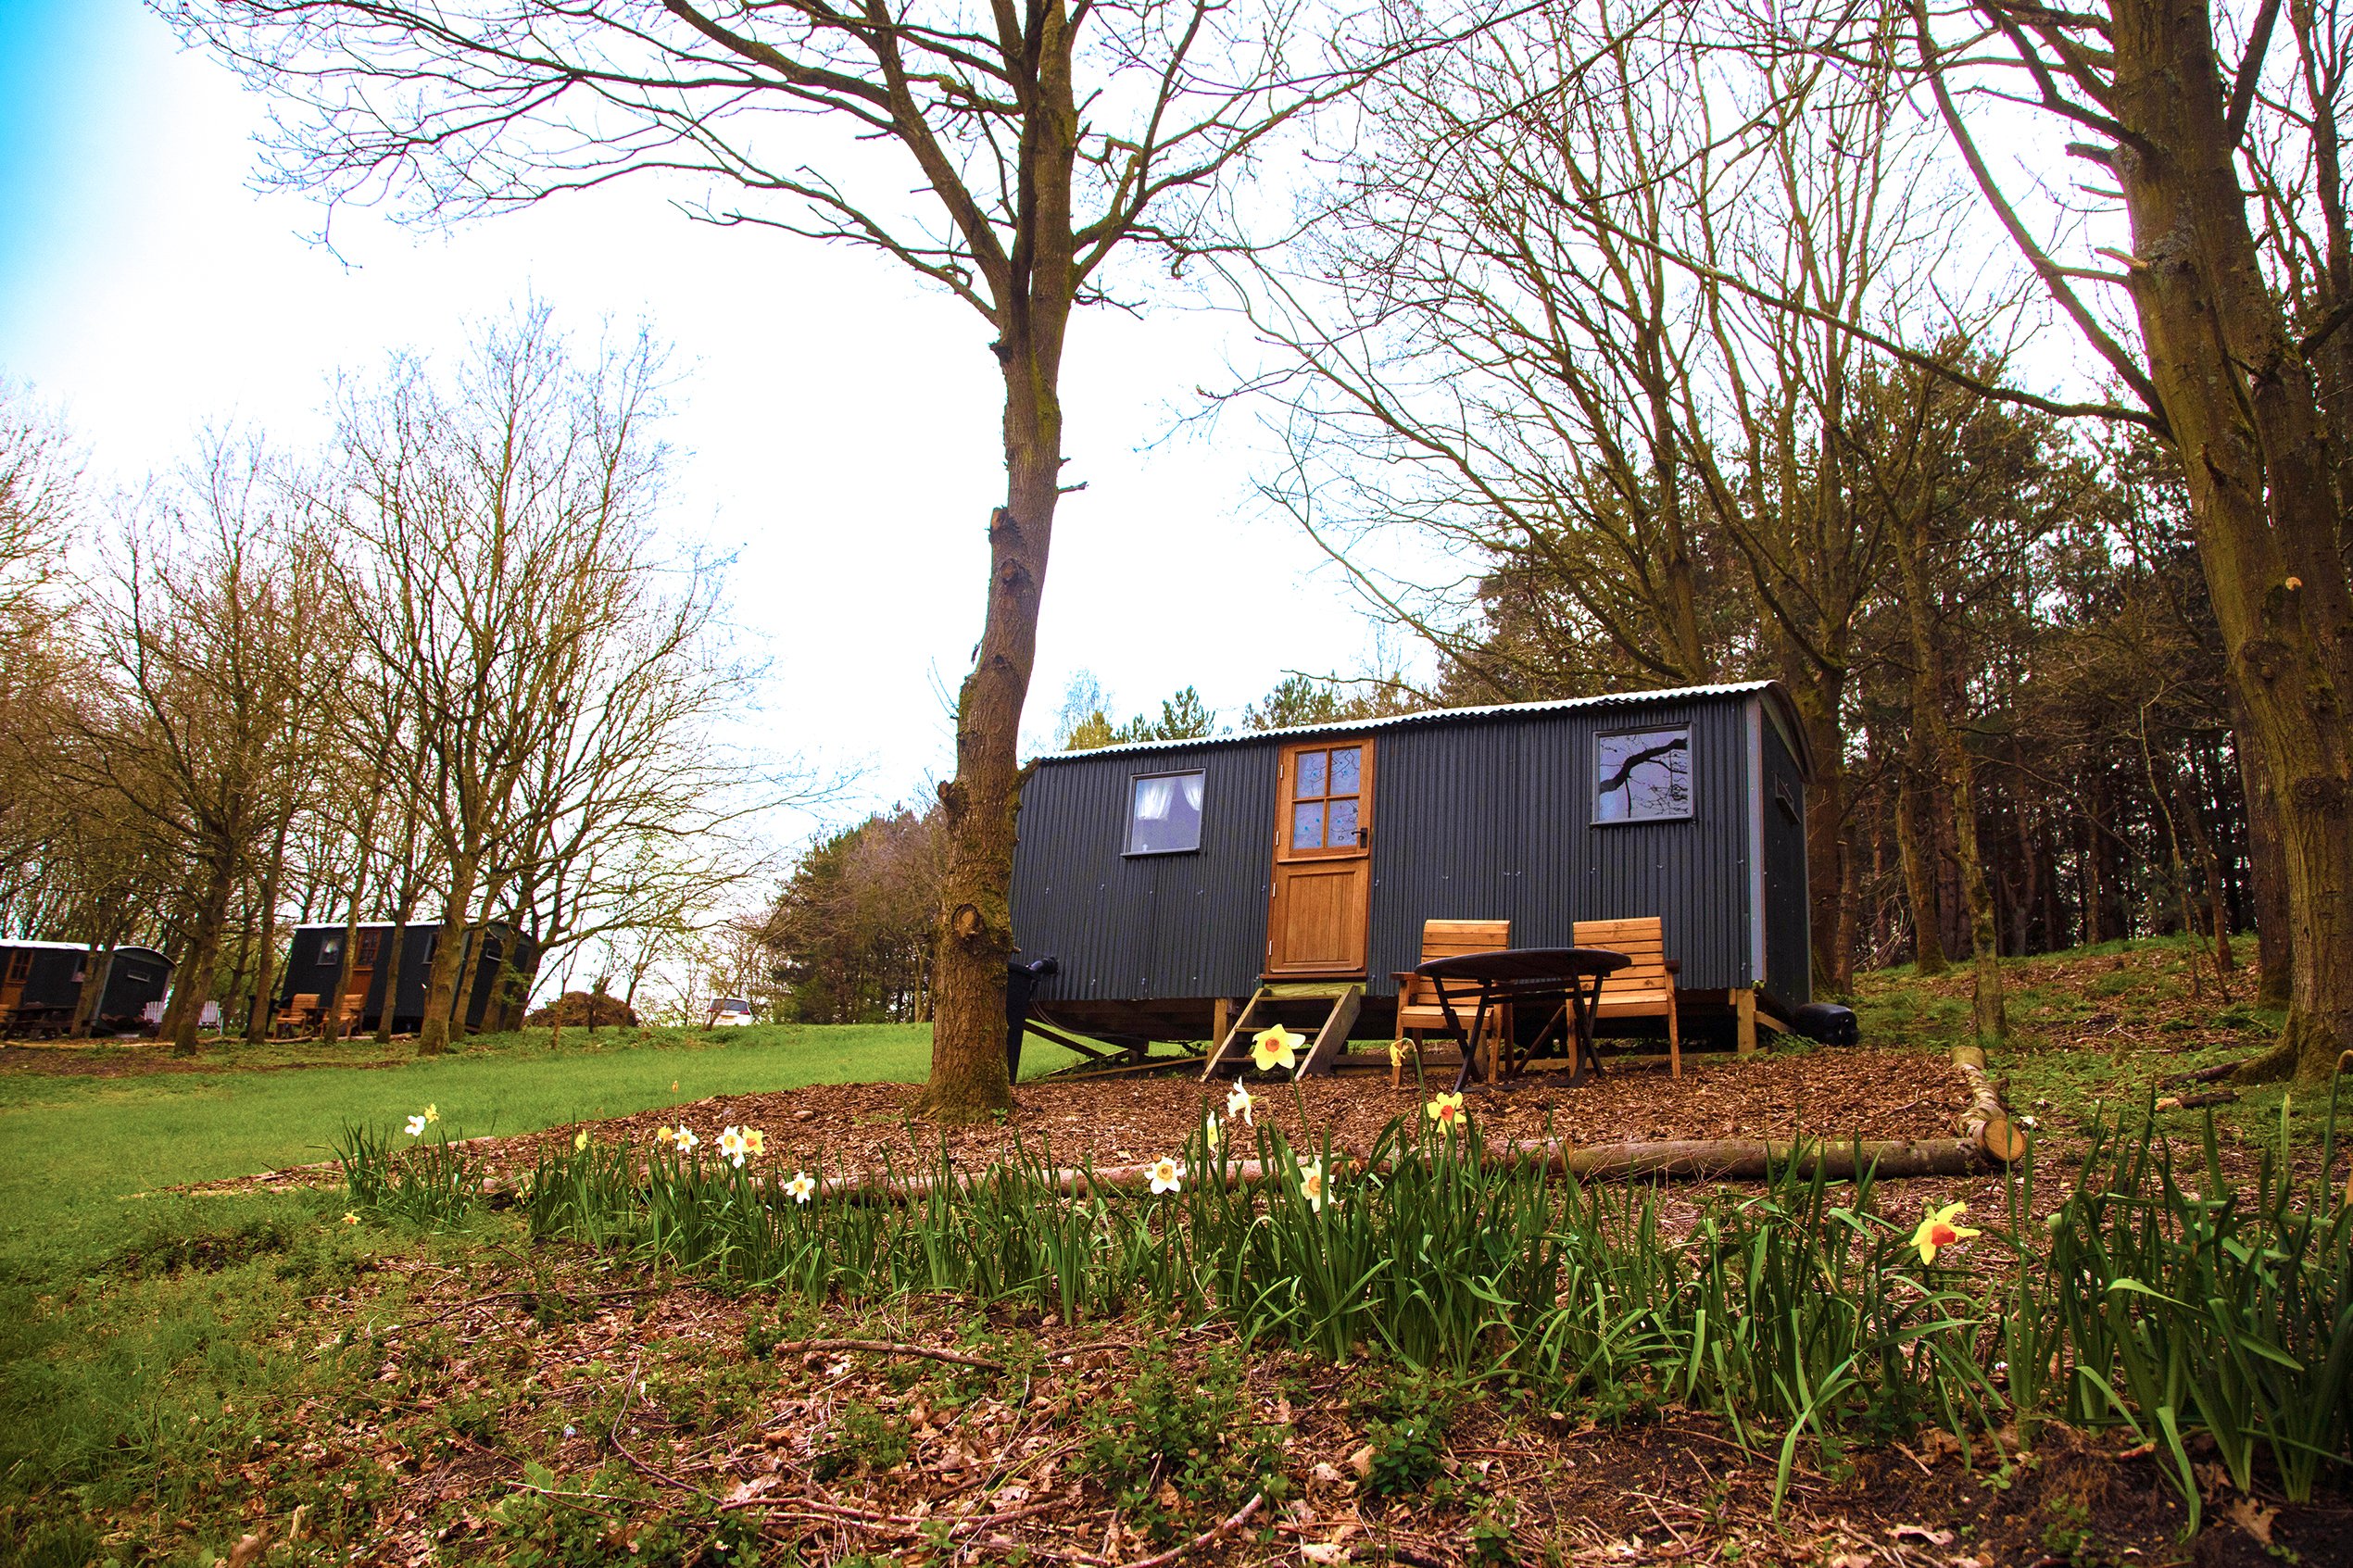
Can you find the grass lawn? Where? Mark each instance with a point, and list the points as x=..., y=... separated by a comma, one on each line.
x=131, y=1320
x=73, y=1149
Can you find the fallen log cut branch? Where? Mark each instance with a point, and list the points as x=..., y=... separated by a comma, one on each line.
x=1985, y=1119
x=1672, y=1159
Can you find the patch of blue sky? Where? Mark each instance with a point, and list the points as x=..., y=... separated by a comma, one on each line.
x=61, y=89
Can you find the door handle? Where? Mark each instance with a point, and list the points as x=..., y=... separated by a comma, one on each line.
x=1364, y=836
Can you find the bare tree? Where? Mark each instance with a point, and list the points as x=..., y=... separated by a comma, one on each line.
x=217, y=663
x=499, y=518
x=1045, y=138
x=2165, y=95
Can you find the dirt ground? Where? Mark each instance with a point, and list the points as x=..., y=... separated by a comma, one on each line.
x=837, y=1449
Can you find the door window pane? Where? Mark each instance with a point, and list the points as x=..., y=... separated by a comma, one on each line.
x=1164, y=814
x=1345, y=768
x=1307, y=825
x=1642, y=776
x=1343, y=821
x=1311, y=775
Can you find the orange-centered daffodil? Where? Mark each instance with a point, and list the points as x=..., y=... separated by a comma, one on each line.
x=1938, y=1231
x=1447, y=1111
x=1275, y=1046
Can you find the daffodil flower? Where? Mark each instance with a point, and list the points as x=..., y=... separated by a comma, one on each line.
x=1447, y=1111
x=432, y=1113
x=350, y=1219
x=1212, y=1133
x=415, y=1126
x=732, y=1147
x=1938, y=1232
x=800, y=1186
x=1167, y=1176
x=580, y=1140
x=1275, y=1046
x=755, y=1142
x=686, y=1139
x=1311, y=1184
x=664, y=1135
x=1240, y=1103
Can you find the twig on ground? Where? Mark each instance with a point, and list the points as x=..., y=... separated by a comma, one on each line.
x=1205, y=1538
x=887, y=1348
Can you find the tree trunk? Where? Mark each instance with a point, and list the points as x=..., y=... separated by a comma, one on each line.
x=1913, y=846
x=2266, y=872
x=266, y=949
x=448, y=954
x=2240, y=401
x=1831, y=926
x=394, y=940
x=470, y=979
x=187, y=1001
x=1952, y=769
x=331, y=1026
x=968, y=1079
x=92, y=994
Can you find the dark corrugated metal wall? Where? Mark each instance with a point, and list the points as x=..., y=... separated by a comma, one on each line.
x=1483, y=818
x=1148, y=926
x=1491, y=820
x=1789, y=942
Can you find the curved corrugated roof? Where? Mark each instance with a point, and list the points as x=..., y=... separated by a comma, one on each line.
x=79, y=947
x=1438, y=716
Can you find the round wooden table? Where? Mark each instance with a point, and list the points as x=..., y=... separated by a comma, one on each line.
x=1567, y=978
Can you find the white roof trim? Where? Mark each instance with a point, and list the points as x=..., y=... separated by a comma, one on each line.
x=1428, y=715
x=80, y=946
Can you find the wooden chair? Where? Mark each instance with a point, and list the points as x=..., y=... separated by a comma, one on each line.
x=1418, y=1011
x=1645, y=987
x=301, y=1014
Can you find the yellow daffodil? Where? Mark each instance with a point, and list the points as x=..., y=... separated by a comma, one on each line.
x=580, y=1140
x=1311, y=1184
x=800, y=1186
x=664, y=1135
x=1167, y=1176
x=1275, y=1046
x=350, y=1219
x=755, y=1142
x=1447, y=1111
x=1937, y=1230
x=415, y=1126
x=674, y=1085
x=1243, y=1104
x=432, y=1113
x=1211, y=1131
x=732, y=1147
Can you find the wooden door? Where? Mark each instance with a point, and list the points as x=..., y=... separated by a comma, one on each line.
x=1323, y=860
x=15, y=970
x=363, y=974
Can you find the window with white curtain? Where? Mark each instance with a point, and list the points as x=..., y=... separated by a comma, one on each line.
x=1164, y=814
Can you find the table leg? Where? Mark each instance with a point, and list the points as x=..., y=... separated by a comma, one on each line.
x=1589, y=1004
x=1470, y=1040
x=1580, y=1031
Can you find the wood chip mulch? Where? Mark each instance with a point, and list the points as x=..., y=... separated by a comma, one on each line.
x=846, y=1128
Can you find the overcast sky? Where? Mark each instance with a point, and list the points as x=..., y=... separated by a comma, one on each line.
x=837, y=420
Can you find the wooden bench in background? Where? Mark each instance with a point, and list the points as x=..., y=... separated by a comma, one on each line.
x=1419, y=1013
x=1645, y=987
